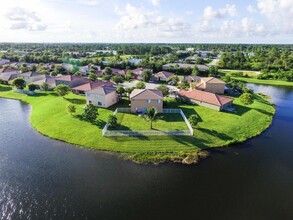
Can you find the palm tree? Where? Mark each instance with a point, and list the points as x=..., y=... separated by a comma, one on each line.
x=151, y=114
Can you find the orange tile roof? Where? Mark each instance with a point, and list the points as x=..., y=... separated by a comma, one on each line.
x=207, y=97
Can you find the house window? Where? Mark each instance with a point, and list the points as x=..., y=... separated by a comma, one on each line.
x=99, y=103
x=148, y=101
x=159, y=101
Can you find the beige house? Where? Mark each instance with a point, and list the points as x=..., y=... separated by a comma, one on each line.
x=31, y=76
x=141, y=99
x=207, y=99
x=211, y=84
x=103, y=96
x=163, y=76
x=71, y=81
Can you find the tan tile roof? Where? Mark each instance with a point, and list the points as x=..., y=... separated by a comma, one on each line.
x=212, y=80
x=7, y=69
x=92, y=85
x=164, y=74
x=71, y=78
x=103, y=90
x=8, y=77
x=146, y=94
x=31, y=74
x=207, y=97
x=47, y=79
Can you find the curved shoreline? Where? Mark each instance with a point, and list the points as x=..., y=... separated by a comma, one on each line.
x=183, y=150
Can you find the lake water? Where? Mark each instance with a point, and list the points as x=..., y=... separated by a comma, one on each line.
x=42, y=178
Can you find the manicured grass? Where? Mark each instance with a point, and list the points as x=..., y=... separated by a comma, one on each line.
x=246, y=72
x=264, y=81
x=50, y=117
x=166, y=122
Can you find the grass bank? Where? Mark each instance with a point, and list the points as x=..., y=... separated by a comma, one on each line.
x=264, y=81
x=215, y=129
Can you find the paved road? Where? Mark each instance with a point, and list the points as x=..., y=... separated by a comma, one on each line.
x=148, y=85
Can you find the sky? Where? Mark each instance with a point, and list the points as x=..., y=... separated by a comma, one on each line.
x=147, y=21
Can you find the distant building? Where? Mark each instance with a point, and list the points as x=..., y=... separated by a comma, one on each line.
x=138, y=71
x=31, y=76
x=4, y=61
x=164, y=76
x=71, y=81
x=201, y=68
x=50, y=80
x=192, y=78
x=7, y=77
x=135, y=61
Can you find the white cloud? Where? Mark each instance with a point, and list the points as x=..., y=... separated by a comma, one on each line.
x=279, y=13
x=250, y=9
x=133, y=18
x=139, y=18
x=89, y=2
x=189, y=12
x=155, y=3
x=228, y=10
x=20, y=18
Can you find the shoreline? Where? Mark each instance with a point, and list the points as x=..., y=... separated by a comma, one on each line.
x=185, y=155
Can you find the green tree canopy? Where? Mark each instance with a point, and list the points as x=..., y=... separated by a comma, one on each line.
x=140, y=85
x=62, y=90
x=90, y=113
x=150, y=116
x=246, y=99
x=19, y=83
x=146, y=75
x=165, y=89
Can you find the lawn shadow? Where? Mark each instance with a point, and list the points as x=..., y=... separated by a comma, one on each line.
x=99, y=123
x=239, y=110
x=264, y=112
x=76, y=101
x=191, y=111
x=39, y=94
x=5, y=88
x=222, y=136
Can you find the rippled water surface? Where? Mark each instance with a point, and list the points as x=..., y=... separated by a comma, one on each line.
x=42, y=178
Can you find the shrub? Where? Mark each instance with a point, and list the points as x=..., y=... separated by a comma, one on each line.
x=71, y=108
x=112, y=121
x=140, y=85
x=62, y=90
x=90, y=113
x=19, y=83
x=32, y=87
x=246, y=99
x=193, y=120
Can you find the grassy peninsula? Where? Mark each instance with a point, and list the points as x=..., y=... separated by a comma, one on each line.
x=214, y=129
x=264, y=81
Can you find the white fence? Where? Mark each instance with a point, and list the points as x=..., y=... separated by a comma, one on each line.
x=119, y=133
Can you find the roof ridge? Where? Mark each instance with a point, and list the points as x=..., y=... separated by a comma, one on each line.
x=218, y=99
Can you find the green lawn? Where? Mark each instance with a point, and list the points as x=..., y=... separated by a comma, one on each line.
x=134, y=122
x=264, y=81
x=50, y=117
